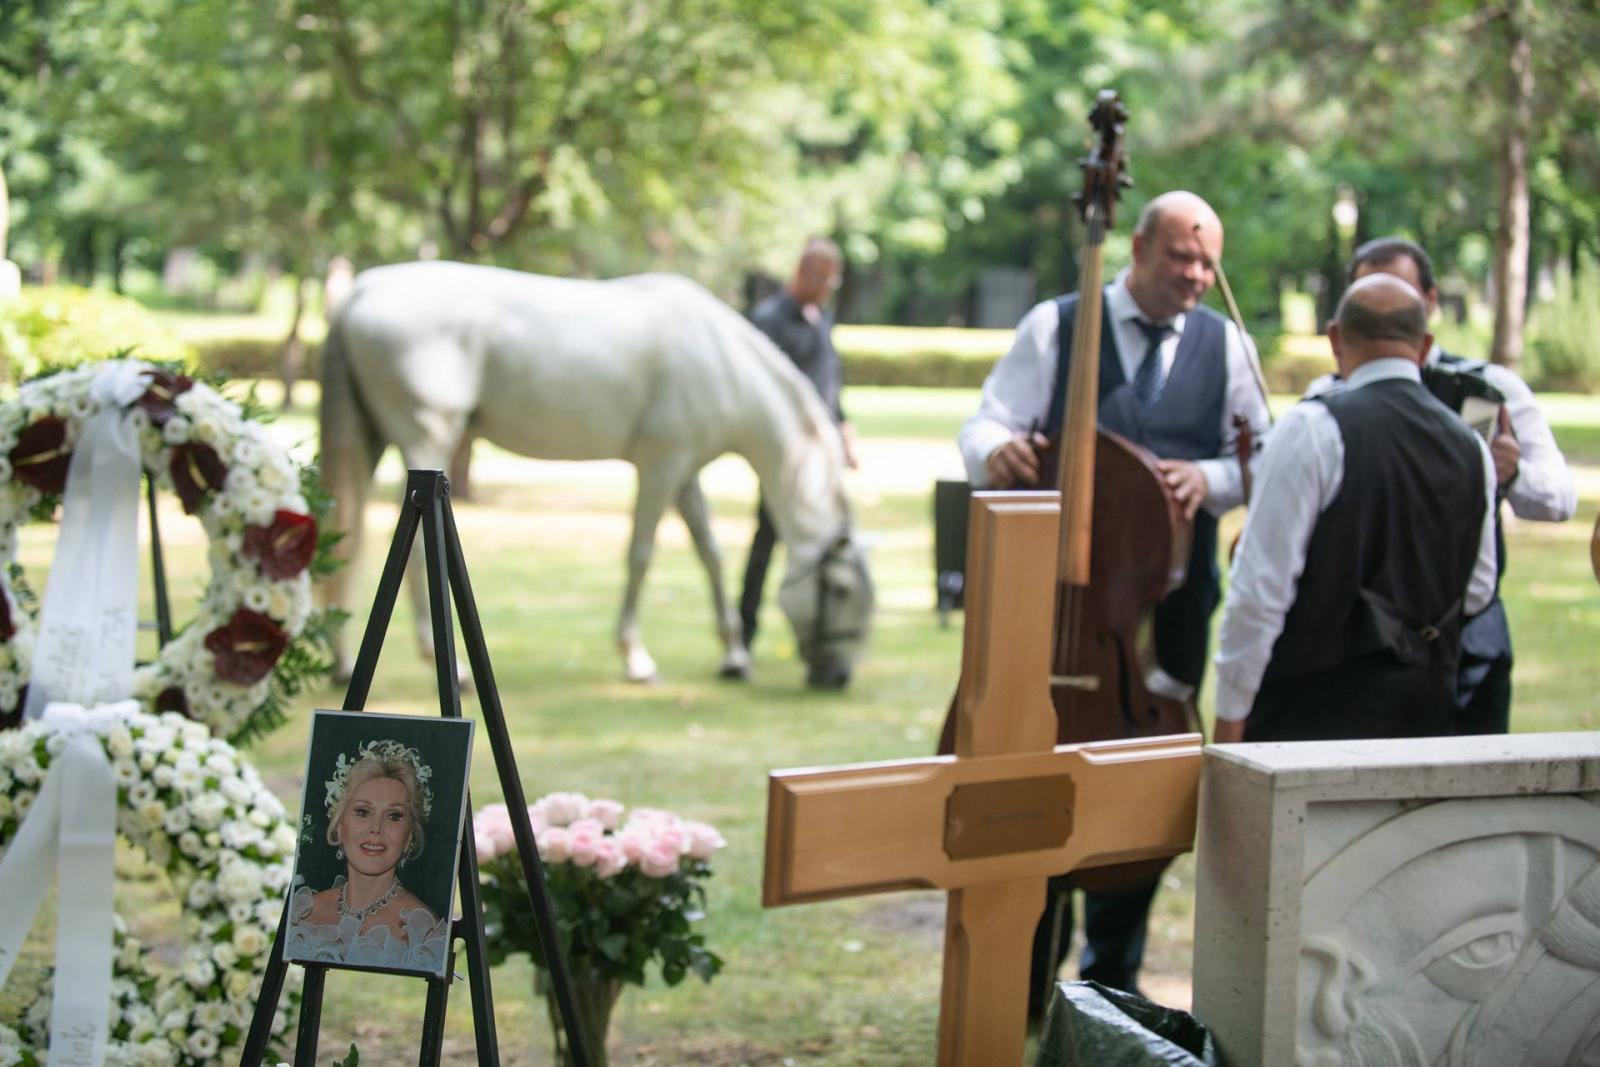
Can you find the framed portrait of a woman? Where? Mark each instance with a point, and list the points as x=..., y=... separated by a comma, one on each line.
x=380, y=834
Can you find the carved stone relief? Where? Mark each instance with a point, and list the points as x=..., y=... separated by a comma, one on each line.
x=1461, y=933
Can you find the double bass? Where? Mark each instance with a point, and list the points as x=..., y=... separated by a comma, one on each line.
x=1124, y=542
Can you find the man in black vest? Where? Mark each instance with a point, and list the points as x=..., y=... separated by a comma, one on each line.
x=1530, y=471
x=797, y=322
x=1172, y=376
x=1370, y=538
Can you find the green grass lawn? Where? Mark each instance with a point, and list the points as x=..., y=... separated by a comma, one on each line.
x=847, y=982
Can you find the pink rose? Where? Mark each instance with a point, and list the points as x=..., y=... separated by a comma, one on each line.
x=609, y=812
x=633, y=841
x=659, y=860
x=584, y=840
x=554, y=845
x=587, y=825
x=491, y=829
x=672, y=837
x=651, y=817
x=559, y=809
x=608, y=858
x=703, y=840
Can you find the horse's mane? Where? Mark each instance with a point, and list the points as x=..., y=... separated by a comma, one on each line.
x=747, y=339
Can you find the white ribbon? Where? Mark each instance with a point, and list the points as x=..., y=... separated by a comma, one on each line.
x=71, y=831
x=85, y=649
x=84, y=656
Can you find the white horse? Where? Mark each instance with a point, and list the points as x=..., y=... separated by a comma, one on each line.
x=652, y=369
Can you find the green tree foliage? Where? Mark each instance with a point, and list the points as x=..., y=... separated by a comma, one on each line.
x=934, y=138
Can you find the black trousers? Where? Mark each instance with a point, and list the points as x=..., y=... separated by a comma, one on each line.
x=1114, y=936
x=755, y=571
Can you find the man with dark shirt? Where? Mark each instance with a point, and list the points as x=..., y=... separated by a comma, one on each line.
x=797, y=323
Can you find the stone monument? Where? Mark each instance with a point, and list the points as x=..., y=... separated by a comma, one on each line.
x=1406, y=903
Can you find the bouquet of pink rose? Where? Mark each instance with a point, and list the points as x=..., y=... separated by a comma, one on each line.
x=625, y=890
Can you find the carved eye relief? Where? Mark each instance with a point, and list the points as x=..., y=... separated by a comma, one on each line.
x=1468, y=961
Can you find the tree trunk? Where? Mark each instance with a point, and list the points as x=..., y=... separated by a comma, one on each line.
x=293, y=356
x=1511, y=234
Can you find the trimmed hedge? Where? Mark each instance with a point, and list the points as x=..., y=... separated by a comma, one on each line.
x=883, y=356
x=62, y=326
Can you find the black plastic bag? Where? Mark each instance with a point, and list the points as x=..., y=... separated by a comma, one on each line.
x=1091, y=1025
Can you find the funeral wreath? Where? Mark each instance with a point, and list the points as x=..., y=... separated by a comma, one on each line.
x=197, y=810
x=255, y=637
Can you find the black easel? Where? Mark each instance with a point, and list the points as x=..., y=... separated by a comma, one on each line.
x=427, y=503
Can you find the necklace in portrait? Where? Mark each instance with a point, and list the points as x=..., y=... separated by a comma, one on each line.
x=360, y=914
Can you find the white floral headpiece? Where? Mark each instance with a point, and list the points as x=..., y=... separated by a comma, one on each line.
x=385, y=750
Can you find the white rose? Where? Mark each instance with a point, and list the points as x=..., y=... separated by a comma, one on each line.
x=238, y=983
x=207, y=810
x=224, y=956
x=153, y=813
x=200, y=973
x=176, y=821
x=176, y=431
x=249, y=940
x=202, y=1043
x=189, y=843
x=119, y=742
x=200, y=894
x=239, y=881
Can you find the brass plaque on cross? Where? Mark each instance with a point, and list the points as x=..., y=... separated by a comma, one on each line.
x=994, y=818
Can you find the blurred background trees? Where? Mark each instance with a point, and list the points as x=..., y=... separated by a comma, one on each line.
x=200, y=149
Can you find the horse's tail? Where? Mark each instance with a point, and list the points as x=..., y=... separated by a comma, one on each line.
x=350, y=448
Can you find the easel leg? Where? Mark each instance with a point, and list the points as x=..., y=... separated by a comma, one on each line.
x=433, y=1017
x=505, y=762
x=305, y=1043
x=470, y=929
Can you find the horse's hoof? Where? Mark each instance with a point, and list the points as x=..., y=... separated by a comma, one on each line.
x=640, y=669
x=734, y=672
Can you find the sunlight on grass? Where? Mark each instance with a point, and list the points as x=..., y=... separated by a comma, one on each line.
x=839, y=983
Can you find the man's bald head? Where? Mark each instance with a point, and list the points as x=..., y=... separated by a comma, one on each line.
x=817, y=273
x=1379, y=317
x=1176, y=244
x=1186, y=206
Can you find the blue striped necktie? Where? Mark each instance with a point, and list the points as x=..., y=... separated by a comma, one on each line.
x=1147, y=381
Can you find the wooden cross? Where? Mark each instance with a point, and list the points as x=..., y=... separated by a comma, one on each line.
x=991, y=823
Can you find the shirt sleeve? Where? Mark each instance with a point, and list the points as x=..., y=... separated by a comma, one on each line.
x=1543, y=488
x=1224, y=479
x=1485, y=569
x=1017, y=393
x=1297, y=481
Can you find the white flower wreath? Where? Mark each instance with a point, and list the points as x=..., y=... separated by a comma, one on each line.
x=246, y=492
x=198, y=810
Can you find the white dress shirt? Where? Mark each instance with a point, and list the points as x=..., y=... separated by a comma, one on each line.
x=1543, y=489
x=1018, y=391
x=1298, y=479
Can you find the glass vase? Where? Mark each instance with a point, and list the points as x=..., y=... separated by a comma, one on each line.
x=596, y=995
